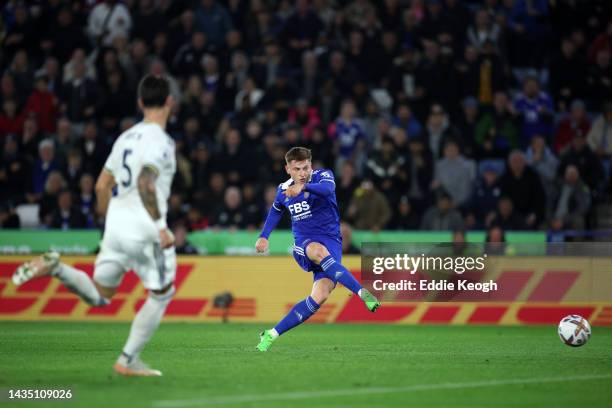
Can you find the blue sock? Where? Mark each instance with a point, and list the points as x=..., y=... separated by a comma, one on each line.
x=339, y=273
x=299, y=313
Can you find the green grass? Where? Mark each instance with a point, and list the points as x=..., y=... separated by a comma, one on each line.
x=201, y=361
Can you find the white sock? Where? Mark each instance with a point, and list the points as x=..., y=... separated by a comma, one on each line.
x=359, y=293
x=79, y=283
x=273, y=332
x=145, y=323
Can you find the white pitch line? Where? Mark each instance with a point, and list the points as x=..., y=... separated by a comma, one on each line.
x=298, y=395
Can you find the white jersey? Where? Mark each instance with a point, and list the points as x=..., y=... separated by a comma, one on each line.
x=143, y=145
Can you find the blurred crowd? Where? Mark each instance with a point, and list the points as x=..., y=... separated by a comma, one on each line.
x=433, y=114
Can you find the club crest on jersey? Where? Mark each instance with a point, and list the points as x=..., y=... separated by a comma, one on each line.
x=306, y=194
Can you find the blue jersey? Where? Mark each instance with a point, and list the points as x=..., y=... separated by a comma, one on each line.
x=314, y=212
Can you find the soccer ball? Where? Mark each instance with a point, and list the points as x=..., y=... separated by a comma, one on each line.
x=574, y=330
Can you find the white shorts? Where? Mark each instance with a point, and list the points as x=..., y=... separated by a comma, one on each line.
x=155, y=267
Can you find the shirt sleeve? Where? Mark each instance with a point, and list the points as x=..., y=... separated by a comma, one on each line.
x=274, y=216
x=157, y=157
x=113, y=161
x=323, y=184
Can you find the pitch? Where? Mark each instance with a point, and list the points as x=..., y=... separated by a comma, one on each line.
x=210, y=365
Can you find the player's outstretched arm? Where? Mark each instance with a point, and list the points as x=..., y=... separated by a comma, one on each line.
x=148, y=195
x=104, y=191
x=274, y=215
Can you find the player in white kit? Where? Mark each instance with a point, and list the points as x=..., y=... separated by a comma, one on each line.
x=141, y=165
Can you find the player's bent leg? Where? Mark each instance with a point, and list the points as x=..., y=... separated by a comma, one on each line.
x=337, y=272
x=75, y=280
x=145, y=324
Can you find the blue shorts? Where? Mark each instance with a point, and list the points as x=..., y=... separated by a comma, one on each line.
x=334, y=246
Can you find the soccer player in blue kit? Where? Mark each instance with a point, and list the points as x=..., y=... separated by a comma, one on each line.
x=310, y=198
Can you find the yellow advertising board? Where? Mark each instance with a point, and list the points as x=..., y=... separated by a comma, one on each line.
x=536, y=290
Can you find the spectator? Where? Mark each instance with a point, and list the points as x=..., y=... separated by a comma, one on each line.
x=249, y=96
x=281, y=95
x=349, y=136
x=599, y=78
x=567, y=75
x=368, y=208
x=230, y=214
x=482, y=30
x=301, y=30
x=455, y=174
x=573, y=124
x=213, y=19
x=64, y=140
x=22, y=72
x=43, y=166
x=66, y=216
x=43, y=104
x=187, y=59
x=48, y=201
x=310, y=76
x=80, y=96
x=495, y=241
x=405, y=218
x=11, y=121
x=486, y=196
x=73, y=170
x=602, y=42
x=571, y=203
x=505, y=217
x=599, y=137
x=418, y=172
x=541, y=158
x=383, y=168
x=252, y=208
x=442, y=216
x=117, y=102
x=522, y=186
x=535, y=110
x=64, y=35
x=22, y=34
x=438, y=130
x=306, y=117
x=406, y=120
x=93, y=150
x=176, y=212
x=181, y=243
x=86, y=202
x=145, y=17
x=467, y=126
x=588, y=163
